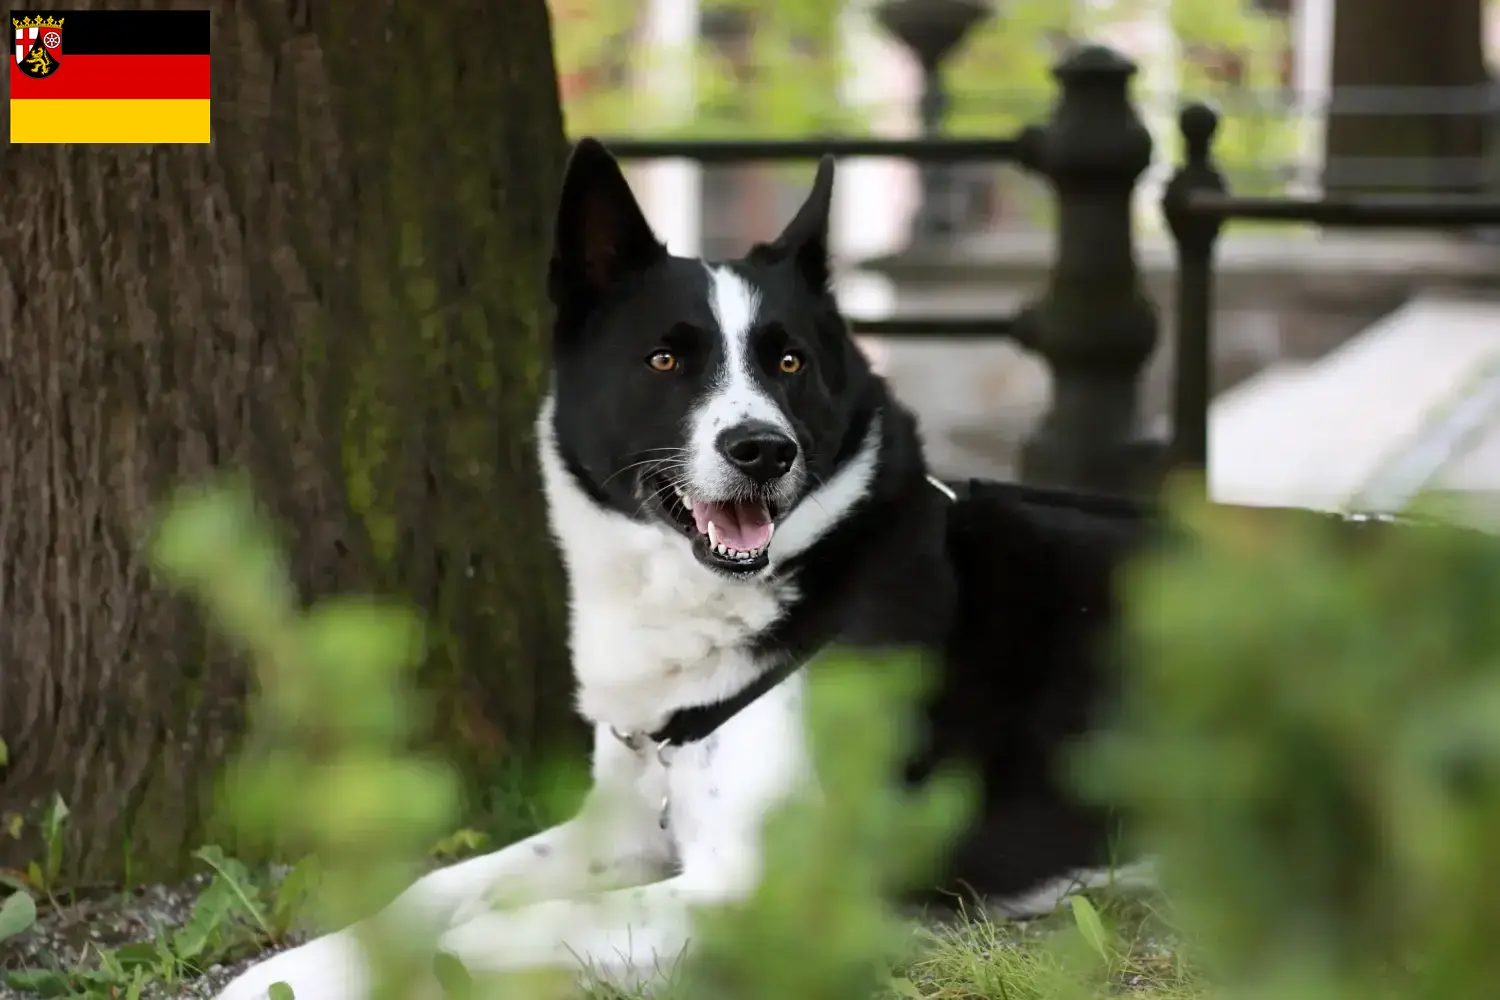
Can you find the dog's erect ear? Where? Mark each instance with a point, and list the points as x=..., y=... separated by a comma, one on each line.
x=805, y=238
x=601, y=233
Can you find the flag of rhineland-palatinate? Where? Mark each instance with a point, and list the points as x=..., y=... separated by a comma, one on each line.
x=110, y=76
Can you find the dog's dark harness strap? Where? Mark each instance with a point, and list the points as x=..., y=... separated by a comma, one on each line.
x=689, y=725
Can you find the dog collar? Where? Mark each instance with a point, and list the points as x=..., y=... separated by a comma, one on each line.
x=697, y=722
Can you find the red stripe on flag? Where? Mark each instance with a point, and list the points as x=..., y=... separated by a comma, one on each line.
x=117, y=77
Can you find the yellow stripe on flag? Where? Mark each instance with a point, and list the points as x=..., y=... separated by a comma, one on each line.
x=109, y=121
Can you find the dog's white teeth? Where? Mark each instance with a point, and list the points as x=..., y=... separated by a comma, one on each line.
x=735, y=554
x=720, y=549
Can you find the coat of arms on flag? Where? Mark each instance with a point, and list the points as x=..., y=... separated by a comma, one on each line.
x=38, y=44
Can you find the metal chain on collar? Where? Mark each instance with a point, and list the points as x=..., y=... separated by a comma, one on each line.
x=1362, y=516
x=942, y=487
x=635, y=743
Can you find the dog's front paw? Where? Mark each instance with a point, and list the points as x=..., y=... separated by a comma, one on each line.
x=508, y=940
x=327, y=968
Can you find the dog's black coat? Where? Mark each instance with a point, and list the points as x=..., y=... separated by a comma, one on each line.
x=1029, y=662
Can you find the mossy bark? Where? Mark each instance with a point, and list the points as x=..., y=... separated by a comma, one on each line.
x=341, y=295
x=1421, y=50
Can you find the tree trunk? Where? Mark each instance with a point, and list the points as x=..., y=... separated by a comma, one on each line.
x=1421, y=48
x=343, y=296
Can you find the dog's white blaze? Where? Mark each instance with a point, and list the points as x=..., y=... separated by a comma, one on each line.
x=734, y=397
x=735, y=303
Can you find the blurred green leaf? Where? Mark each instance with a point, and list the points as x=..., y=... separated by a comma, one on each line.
x=904, y=987
x=53, y=822
x=1086, y=919
x=41, y=982
x=360, y=796
x=326, y=772
x=17, y=914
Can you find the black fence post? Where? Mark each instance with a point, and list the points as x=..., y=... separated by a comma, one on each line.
x=1094, y=325
x=1196, y=235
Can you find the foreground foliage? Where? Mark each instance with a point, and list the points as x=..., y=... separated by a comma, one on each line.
x=1309, y=742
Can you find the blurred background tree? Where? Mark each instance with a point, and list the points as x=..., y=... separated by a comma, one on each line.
x=1431, y=135
x=759, y=67
x=1236, y=55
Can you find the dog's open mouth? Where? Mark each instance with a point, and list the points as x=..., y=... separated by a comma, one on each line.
x=733, y=536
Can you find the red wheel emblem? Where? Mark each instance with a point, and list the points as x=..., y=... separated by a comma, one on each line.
x=51, y=40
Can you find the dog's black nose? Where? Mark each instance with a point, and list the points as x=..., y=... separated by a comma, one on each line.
x=759, y=450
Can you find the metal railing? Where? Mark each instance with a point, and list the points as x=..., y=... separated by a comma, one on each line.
x=1094, y=325
x=1196, y=205
x=710, y=151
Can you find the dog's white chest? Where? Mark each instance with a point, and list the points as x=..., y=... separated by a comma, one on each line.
x=653, y=631
x=734, y=776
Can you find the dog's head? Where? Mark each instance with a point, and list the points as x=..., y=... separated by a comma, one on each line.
x=709, y=398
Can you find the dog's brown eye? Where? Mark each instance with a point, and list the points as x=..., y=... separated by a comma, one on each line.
x=662, y=361
x=791, y=363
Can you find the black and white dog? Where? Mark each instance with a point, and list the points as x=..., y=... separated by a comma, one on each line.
x=732, y=491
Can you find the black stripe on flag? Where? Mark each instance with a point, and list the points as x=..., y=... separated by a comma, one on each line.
x=127, y=32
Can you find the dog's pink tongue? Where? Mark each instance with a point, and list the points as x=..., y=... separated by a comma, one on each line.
x=743, y=526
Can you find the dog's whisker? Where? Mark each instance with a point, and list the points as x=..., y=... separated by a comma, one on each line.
x=654, y=465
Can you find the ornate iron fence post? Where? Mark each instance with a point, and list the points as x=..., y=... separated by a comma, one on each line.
x=1196, y=235
x=1094, y=325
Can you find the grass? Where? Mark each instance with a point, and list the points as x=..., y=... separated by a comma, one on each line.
x=146, y=941
x=974, y=958
x=971, y=957
x=236, y=912
x=233, y=912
